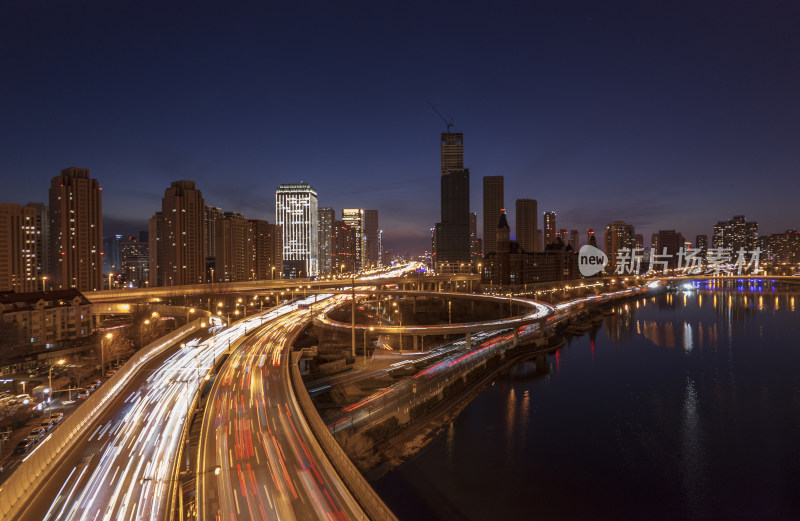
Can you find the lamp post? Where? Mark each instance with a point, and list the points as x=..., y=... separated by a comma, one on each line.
x=109, y=280
x=141, y=332
x=272, y=273
x=108, y=336
x=50, y=383
x=44, y=283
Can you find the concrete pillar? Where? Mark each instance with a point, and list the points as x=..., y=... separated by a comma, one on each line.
x=516, y=335
x=415, y=343
x=469, y=341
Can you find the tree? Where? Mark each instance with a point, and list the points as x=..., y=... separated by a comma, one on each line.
x=114, y=346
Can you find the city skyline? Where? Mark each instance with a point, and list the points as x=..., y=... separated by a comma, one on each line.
x=663, y=119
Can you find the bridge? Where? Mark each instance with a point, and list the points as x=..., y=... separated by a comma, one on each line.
x=206, y=354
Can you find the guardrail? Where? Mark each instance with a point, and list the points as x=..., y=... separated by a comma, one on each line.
x=27, y=478
x=366, y=496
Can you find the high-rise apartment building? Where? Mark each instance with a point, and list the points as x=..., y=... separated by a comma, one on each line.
x=527, y=218
x=736, y=234
x=296, y=214
x=549, y=228
x=493, y=206
x=327, y=216
x=233, y=251
x=19, y=251
x=668, y=242
x=701, y=243
x=180, y=236
x=134, y=270
x=154, y=250
x=618, y=236
x=266, y=250
x=345, y=254
x=42, y=239
x=76, y=231
x=452, y=253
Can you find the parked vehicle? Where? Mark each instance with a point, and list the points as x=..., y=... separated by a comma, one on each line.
x=23, y=446
x=47, y=424
x=83, y=394
x=56, y=417
x=36, y=434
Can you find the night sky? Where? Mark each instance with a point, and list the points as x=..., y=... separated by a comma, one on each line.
x=669, y=115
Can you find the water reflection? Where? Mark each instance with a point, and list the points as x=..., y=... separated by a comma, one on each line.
x=678, y=407
x=692, y=466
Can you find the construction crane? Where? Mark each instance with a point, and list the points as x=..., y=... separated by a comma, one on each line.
x=446, y=122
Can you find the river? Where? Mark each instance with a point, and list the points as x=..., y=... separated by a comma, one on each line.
x=679, y=406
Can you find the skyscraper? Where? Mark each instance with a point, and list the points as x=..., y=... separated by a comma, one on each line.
x=135, y=263
x=549, y=228
x=493, y=206
x=344, y=256
x=233, y=254
x=574, y=240
x=526, y=225
x=76, y=231
x=181, y=232
x=452, y=238
x=354, y=218
x=736, y=234
x=42, y=238
x=372, y=247
x=668, y=242
x=326, y=216
x=618, y=236
x=296, y=214
x=266, y=249
x=18, y=248
x=213, y=214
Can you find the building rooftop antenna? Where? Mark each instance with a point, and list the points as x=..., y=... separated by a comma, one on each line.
x=447, y=122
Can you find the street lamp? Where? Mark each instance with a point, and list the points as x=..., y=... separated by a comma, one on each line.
x=108, y=336
x=109, y=280
x=272, y=273
x=50, y=383
x=44, y=282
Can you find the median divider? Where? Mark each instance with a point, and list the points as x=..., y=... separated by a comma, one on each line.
x=362, y=491
x=28, y=477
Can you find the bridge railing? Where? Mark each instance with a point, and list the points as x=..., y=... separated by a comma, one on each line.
x=374, y=506
x=27, y=479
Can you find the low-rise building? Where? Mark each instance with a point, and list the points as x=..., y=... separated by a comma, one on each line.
x=48, y=319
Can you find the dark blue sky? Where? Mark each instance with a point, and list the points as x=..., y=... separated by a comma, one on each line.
x=665, y=115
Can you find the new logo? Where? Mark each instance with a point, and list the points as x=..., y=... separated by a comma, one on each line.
x=591, y=260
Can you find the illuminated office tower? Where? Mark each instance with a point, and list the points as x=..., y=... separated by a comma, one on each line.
x=327, y=216
x=296, y=214
x=452, y=253
x=76, y=231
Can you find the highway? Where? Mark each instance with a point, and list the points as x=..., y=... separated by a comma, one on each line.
x=254, y=431
x=122, y=470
